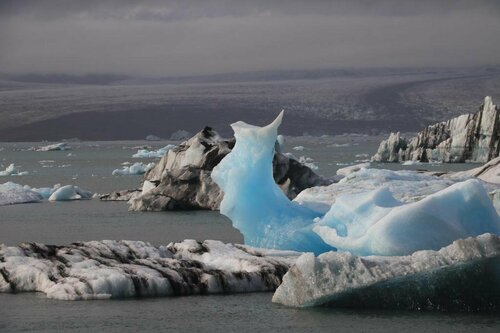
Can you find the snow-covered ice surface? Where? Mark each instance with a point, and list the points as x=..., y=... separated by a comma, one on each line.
x=12, y=193
x=11, y=170
x=138, y=168
x=463, y=276
x=145, y=153
x=55, y=146
x=255, y=204
x=405, y=185
x=118, y=269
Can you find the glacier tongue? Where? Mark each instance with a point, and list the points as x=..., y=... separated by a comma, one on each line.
x=116, y=269
x=463, y=275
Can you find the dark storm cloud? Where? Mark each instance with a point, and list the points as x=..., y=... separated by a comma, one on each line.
x=211, y=36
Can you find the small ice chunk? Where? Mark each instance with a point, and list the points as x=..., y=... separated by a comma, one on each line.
x=12, y=193
x=144, y=153
x=138, y=168
x=298, y=148
x=11, y=170
x=70, y=192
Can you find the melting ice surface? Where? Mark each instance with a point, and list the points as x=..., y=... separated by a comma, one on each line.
x=361, y=222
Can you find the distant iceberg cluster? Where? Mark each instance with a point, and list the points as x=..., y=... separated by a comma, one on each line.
x=138, y=168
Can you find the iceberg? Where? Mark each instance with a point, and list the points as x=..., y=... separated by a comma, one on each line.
x=70, y=192
x=144, y=153
x=460, y=276
x=12, y=193
x=135, y=169
x=375, y=223
x=56, y=146
x=369, y=212
x=11, y=170
x=255, y=204
x=119, y=269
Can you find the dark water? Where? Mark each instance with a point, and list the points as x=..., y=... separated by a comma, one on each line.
x=90, y=167
x=220, y=313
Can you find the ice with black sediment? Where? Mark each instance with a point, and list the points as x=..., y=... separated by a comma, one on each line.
x=118, y=269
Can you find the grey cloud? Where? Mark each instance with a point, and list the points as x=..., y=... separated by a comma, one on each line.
x=214, y=36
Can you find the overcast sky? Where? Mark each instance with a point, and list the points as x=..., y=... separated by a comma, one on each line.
x=161, y=38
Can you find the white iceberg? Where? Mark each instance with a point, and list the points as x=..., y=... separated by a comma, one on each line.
x=366, y=223
x=298, y=148
x=461, y=276
x=144, y=153
x=12, y=193
x=134, y=169
x=70, y=192
x=117, y=269
x=55, y=146
x=11, y=170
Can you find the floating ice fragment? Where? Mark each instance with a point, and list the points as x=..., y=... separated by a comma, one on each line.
x=144, y=153
x=12, y=193
x=135, y=169
x=11, y=170
x=70, y=192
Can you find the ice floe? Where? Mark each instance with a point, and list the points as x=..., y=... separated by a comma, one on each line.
x=118, y=269
x=144, y=153
x=138, y=168
x=460, y=276
x=12, y=170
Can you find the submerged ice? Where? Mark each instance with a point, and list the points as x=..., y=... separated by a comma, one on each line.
x=369, y=212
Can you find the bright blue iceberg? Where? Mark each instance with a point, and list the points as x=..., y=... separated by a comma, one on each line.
x=375, y=223
x=252, y=200
x=369, y=222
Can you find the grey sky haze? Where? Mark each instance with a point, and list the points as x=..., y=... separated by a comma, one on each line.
x=161, y=38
